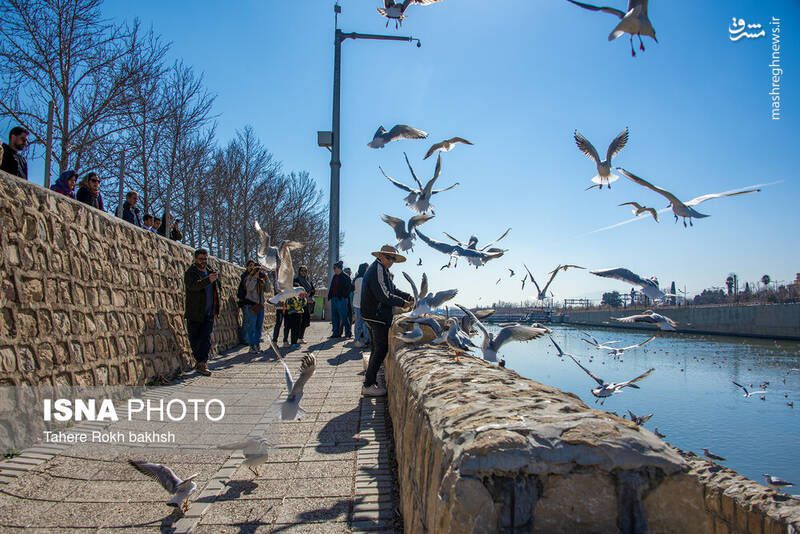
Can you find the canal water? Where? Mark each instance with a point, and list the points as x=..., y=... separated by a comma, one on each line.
x=691, y=392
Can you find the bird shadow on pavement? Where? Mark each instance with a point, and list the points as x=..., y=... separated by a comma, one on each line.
x=237, y=488
x=333, y=512
x=339, y=434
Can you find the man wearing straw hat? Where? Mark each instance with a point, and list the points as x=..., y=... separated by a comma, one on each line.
x=378, y=296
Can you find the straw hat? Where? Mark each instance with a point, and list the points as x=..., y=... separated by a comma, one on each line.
x=391, y=251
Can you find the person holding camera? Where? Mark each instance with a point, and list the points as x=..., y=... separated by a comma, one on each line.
x=253, y=285
x=201, y=307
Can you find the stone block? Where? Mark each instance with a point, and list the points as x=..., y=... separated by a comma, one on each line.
x=8, y=359
x=26, y=363
x=577, y=503
x=678, y=492
x=27, y=325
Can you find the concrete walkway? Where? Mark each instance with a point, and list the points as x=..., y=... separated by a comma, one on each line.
x=330, y=473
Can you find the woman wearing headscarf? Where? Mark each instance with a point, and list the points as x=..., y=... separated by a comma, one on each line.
x=66, y=184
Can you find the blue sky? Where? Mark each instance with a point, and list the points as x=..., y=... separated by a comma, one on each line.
x=517, y=78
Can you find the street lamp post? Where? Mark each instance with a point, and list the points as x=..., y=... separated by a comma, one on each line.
x=336, y=164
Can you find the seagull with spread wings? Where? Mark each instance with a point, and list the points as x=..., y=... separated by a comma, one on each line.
x=467, y=322
x=400, y=131
x=256, y=451
x=445, y=146
x=179, y=489
x=405, y=237
x=604, y=175
x=492, y=343
x=472, y=243
x=747, y=393
x=683, y=209
x=419, y=200
x=638, y=209
x=617, y=351
x=634, y=21
x=290, y=409
x=285, y=274
x=542, y=293
x=425, y=302
x=267, y=254
x=649, y=285
x=470, y=252
x=649, y=316
x=396, y=10
x=639, y=419
x=607, y=389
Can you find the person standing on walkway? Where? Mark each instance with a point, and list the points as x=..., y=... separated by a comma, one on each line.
x=202, y=306
x=241, y=293
x=360, y=331
x=339, y=296
x=12, y=161
x=293, y=317
x=378, y=296
x=254, y=284
x=303, y=280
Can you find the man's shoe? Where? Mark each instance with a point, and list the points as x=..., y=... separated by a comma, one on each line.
x=373, y=391
x=202, y=368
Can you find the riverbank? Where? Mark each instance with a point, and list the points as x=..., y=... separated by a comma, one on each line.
x=772, y=321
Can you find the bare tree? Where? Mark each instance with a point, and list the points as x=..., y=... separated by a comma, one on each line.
x=63, y=51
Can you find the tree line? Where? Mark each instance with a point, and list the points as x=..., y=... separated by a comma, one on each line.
x=123, y=110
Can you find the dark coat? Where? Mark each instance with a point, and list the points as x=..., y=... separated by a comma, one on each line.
x=307, y=284
x=196, y=293
x=132, y=215
x=378, y=295
x=14, y=163
x=341, y=288
x=61, y=185
x=85, y=196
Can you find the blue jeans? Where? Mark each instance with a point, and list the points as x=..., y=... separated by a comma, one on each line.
x=339, y=316
x=361, y=331
x=252, y=324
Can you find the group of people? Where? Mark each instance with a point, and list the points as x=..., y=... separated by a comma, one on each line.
x=371, y=299
x=13, y=162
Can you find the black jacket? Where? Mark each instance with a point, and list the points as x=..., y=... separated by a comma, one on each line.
x=132, y=215
x=196, y=293
x=14, y=162
x=378, y=294
x=307, y=285
x=343, y=286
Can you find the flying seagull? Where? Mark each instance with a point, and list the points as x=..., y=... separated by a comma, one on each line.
x=445, y=146
x=474, y=257
x=712, y=456
x=468, y=323
x=542, y=293
x=290, y=409
x=419, y=200
x=179, y=489
x=472, y=243
x=639, y=420
x=594, y=339
x=267, y=255
x=425, y=302
x=617, y=351
x=405, y=236
x=777, y=483
x=634, y=21
x=285, y=274
x=256, y=451
x=683, y=209
x=492, y=343
x=607, y=389
x=604, y=175
x=649, y=316
x=649, y=285
x=396, y=10
x=638, y=209
x=400, y=131
x=561, y=353
x=747, y=393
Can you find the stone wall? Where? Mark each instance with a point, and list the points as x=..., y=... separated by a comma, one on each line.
x=481, y=449
x=775, y=321
x=90, y=300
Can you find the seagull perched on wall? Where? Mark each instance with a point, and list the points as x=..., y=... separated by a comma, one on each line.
x=396, y=10
x=419, y=200
x=747, y=393
x=290, y=409
x=457, y=340
x=683, y=209
x=634, y=21
x=474, y=256
x=777, y=483
x=405, y=237
x=416, y=334
x=649, y=285
x=256, y=451
x=425, y=302
x=638, y=209
x=400, y=131
x=604, y=175
x=491, y=344
x=445, y=146
x=617, y=351
x=542, y=293
x=179, y=489
x=649, y=316
x=285, y=274
x=607, y=389
x=712, y=456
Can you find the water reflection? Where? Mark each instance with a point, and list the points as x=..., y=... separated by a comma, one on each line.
x=691, y=393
